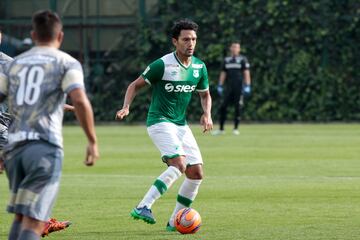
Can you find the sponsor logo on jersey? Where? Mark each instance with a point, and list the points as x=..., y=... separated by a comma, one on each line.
x=173, y=73
x=171, y=65
x=195, y=65
x=36, y=59
x=196, y=73
x=179, y=88
x=233, y=65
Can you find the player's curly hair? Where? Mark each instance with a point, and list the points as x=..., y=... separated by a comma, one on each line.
x=183, y=24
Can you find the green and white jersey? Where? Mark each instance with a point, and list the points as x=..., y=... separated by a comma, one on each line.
x=172, y=86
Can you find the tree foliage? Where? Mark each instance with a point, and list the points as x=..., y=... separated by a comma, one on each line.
x=303, y=54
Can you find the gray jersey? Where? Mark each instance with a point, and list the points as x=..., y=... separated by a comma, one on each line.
x=4, y=59
x=36, y=83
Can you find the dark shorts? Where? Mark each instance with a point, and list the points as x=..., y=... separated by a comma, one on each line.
x=34, y=171
x=232, y=97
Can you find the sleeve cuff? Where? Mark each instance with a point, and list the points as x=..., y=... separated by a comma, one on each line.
x=74, y=86
x=147, y=81
x=202, y=90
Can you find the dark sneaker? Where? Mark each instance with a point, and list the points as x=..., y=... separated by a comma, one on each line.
x=170, y=228
x=144, y=214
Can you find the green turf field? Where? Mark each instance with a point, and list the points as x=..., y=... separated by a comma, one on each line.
x=279, y=182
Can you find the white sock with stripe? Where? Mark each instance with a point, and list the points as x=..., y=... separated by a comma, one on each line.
x=160, y=186
x=187, y=194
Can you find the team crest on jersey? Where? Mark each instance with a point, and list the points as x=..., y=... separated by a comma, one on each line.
x=196, y=73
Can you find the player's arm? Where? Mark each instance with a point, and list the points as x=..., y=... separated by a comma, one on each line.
x=73, y=86
x=151, y=75
x=131, y=92
x=68, y=108
x=247, y=78
x=206, y=102
x=85, y=116
x=222, y=78
x=220, y=87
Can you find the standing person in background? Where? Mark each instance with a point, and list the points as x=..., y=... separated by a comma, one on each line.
x=234, y=83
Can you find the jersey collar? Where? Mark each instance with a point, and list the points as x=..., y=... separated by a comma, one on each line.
x=177, y=59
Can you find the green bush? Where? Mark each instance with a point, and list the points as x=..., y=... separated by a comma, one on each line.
x=304, y=57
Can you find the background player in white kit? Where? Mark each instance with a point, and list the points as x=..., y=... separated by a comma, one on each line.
x=36, y=83
x=173, y=78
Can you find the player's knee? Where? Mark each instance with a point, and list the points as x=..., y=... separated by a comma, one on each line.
x=198, y=175
x=18, y=217
x=195, y=172
x=178, y=162
x=181, y=167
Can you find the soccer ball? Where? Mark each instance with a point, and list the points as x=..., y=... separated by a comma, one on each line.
x=187, y=221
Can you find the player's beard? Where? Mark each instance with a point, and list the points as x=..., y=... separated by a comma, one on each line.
x=189, y=53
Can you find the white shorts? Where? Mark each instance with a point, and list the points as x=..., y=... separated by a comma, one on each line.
x=173, y=141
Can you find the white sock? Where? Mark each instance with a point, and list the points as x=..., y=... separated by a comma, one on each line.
x=160, y=186
x=187, y=194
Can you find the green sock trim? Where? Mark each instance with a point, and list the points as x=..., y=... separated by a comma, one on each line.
x=184, y=201
x=161, y=186
x=165, y=158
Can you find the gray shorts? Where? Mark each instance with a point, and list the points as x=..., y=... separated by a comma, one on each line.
x=34, y=171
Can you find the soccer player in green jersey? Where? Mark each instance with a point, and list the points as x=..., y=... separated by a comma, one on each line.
x=173, y=78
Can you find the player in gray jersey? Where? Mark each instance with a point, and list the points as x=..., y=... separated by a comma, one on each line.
x=35, y=84
x=3, y=60
x=52, y=225
x=4, y=117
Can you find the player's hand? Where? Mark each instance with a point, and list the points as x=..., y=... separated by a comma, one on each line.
x=122, y=113
x=68, y=108
x=206, y=122
x=1, y=165
x=220, y=90
x=92, y=154
x=247, y=90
